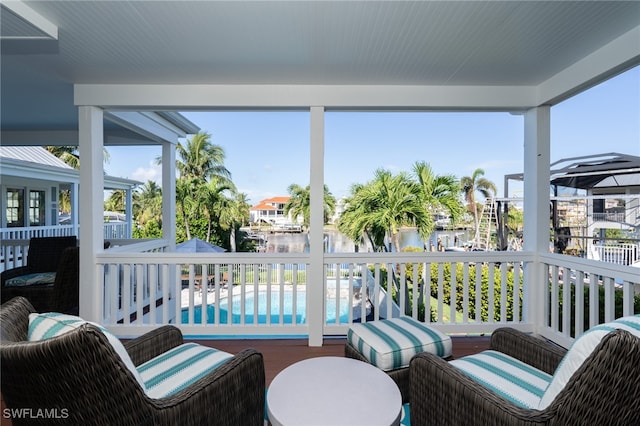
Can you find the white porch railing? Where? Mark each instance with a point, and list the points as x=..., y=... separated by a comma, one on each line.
x=117, y=230
x=14, y=242
x=597, y=292
x=248, y=294
x=622, y=254
x=27, y=232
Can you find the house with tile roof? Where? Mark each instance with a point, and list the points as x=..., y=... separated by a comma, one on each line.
x=271, y=211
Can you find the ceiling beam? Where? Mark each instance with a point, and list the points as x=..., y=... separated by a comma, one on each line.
x=610, y=60
x=183, y=97
x=69, y=138
x=33, y=18
x=148, y=124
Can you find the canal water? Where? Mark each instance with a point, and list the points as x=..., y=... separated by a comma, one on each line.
x=335, y=242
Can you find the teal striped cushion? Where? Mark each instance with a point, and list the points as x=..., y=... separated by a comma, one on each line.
x=510, y=378
x=32, y=279
x=391, y=343
x=580, y=350
x=47, y=325
x=178, y=368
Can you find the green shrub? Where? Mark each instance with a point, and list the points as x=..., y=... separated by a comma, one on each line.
x=446, y=271
x=484, y=297
x=618, y=303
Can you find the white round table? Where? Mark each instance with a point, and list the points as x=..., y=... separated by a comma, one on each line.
x=333, y=391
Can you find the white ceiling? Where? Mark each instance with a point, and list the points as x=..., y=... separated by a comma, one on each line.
x=431, y=43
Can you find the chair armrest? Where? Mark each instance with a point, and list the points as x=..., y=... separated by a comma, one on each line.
x=443, y=395
x=39, y=295
x=532, y=350
x=153, y=343
x=232, y=394
x=14, y=320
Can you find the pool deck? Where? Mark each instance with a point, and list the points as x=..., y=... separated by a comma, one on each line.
x=278, y=354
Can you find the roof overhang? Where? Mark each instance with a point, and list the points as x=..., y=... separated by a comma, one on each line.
x=121, y=128
x=11, y=167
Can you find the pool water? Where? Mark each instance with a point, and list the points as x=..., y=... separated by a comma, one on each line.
x=235, y=313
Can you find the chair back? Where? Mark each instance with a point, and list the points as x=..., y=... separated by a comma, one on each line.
x=14, y=320
x=66, y=289
x=76, y=376
x=45, y=252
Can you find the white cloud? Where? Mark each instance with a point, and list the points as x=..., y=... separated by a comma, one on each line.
x=144, y=174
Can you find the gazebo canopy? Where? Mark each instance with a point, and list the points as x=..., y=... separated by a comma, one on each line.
x=611, y=170
x=196, y=245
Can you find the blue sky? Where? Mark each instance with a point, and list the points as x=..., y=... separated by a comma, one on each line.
x=268, y=151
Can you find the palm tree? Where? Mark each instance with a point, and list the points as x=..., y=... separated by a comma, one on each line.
x=353, y=223
x=243, y=208
x=201, y=159
x=476, y=183
x=185, y=202
x=116, y=201
x=147, y=203
x=299, y=203
x=233, y=213
x=437, y=193
x=214, y=197
x=381, y=207
x=69, y=154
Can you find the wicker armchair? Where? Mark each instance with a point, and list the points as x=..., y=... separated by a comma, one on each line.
x=45, y=255
x=604, y=390
x=62, y=296
x=79, y=376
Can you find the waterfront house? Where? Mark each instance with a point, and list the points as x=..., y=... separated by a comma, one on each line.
x=86, y=74
x=270, y=211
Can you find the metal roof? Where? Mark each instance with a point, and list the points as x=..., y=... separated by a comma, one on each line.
x=35, y=162
x=33, y=154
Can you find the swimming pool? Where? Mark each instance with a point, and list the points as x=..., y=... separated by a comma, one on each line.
x=235, y=313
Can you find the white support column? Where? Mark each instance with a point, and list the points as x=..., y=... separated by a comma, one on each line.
x=129, y=211
x=537, y=143
x=315, y=271
x=75, y=207
x=91, y=208
x=169, y=194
